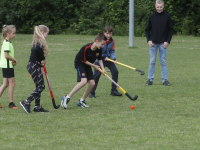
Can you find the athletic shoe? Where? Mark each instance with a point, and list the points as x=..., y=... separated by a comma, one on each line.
x=64, y=101
x=149, y=82
x=26, y=106
x=82, y=104
x=39, y=109
x=1, y=106
x=92, y=95
x=166, y=83
x=115, y=93
x=12, y=105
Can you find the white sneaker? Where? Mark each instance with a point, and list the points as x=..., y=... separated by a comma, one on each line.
x=82, y=104
x=64, y=101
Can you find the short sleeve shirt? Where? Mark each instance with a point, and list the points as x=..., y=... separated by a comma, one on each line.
x=6, y=47
x=86, y=54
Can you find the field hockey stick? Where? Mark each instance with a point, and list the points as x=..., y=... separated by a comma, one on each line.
x=50, y=90
x=142, y=72
x=131, y=98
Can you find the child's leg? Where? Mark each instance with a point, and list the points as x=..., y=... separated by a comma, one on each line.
x=97, y=75
x=81, y=102
x=88, y=89
x=40, y=87
x=114, y=72
x=11, y=88
x=82, y=79
x=36, y=94
x=78, y=86
x=37, y=77
x=90, y=79
x=4, y=85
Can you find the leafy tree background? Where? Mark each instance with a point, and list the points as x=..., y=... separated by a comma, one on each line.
x=90, y=17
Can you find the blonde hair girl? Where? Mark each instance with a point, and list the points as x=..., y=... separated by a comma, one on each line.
x=35, y=67
x=39, y=36
x=7, y=62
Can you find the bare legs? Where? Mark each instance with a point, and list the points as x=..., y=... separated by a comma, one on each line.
x=8, y=82
x=82, y=84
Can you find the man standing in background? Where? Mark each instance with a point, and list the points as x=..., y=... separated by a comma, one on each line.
x=159, y=31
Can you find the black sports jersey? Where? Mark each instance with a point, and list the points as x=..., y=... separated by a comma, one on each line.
x=86, y=54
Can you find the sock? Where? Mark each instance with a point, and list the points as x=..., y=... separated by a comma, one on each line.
x=67, y=96
x=81, y=100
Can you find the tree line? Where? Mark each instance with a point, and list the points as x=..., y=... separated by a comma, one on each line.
x=90, y=17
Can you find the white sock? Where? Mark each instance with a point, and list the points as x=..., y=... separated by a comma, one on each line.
x=81, y=100
x=67, y=97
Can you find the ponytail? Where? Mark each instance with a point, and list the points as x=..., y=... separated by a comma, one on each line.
x=38, y=37
x=6, y=29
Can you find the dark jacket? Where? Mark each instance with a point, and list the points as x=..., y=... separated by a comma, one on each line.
x=109, y=50
x=159, y=28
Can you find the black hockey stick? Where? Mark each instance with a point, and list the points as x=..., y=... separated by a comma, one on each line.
x=51, y=93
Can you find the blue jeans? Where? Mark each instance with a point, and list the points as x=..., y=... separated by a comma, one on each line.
x=163, y=63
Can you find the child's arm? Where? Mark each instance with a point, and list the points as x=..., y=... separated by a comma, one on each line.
x=92, y=65
x=106, y=59
x=112, y=51
x=102, y=66
x=112, y=54
x=43, y=62
x=7, y=56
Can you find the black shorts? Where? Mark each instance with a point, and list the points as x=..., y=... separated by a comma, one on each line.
x=84, y=71
x=8, y=72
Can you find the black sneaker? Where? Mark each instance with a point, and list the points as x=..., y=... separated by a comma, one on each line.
x=149, y=82
x=92, y=95
x=26, y=106
x=115, y=93
x=166, y=83
x=12, y=105
x=39, y=109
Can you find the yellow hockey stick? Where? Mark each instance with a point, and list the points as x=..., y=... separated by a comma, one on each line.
x=131, y=98
x=142, y=72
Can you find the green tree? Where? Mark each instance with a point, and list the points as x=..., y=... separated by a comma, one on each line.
x=185, y=15
x=90, y=17
x=25, y=14
x=94, y=15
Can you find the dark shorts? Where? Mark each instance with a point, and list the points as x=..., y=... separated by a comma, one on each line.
x=84, y=71
x=8, y=72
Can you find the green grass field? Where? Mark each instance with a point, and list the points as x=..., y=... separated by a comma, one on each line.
x=164, y=118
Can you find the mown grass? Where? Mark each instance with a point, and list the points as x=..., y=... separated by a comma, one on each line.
x=163, y=118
